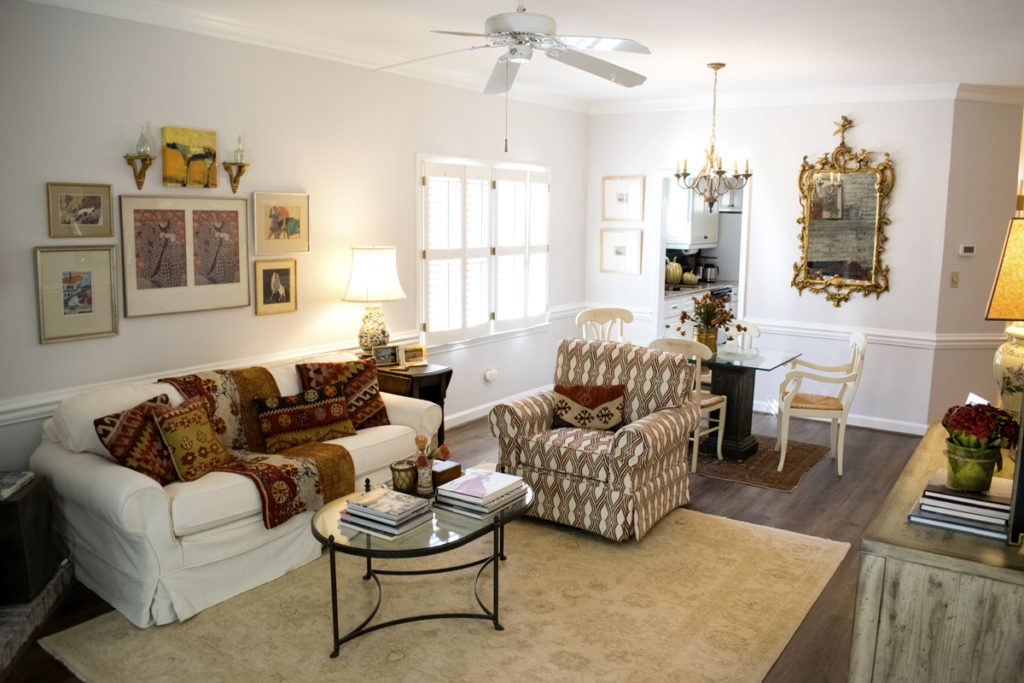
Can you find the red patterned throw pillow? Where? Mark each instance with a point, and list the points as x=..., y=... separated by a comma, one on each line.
x=134, y=441
x=314, y=415
x=365, y=405
x=189, y=436
x=589, y=407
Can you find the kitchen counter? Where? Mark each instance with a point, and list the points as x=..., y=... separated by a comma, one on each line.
x=698, y=290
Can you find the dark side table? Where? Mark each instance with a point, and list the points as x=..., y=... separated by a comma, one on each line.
x=29, y=550
x=428, y=382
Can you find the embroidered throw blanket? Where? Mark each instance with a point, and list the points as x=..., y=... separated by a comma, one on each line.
x=302, y=478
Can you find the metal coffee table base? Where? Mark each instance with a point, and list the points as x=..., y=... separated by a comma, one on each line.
x=498, y=532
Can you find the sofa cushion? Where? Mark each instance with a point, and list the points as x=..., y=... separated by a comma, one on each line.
x=134, y=441
x=588, y=407
x=74, y=418
x=189, y=436
x=314, y=415
x=365, y=405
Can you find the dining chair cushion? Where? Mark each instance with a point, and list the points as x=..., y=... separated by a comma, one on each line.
x=588, y=407
x=804, y=401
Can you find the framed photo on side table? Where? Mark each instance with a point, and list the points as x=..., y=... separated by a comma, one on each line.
x=622, y=198
x=77, y=293
x=276, y=287
x=280, y=222
x=621, y=251
x=79, y=210
x=184, y=253
x=415, y=354
x=389, y=356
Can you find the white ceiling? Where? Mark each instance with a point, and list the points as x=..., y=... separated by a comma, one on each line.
x=775, y=51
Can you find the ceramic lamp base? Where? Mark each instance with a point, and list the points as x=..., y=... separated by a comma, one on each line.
x=374, y=331
x=1008, y=370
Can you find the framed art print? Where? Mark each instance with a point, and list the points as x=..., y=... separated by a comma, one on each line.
x=280, y=222
x=76, y=293
x=276, y=290
x=184, y=254
x=189, y=157
x=622, y=198
x=621, y=251
x=79, y=210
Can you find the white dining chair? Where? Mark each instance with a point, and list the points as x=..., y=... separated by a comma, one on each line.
x=601, y=323
x=834, y=407
x=707, y=401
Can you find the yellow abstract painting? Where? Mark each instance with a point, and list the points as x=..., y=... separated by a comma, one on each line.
x=189, y=157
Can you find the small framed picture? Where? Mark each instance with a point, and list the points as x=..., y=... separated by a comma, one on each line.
x=622, y=198
x=415, y=354
x=276, y=290
x=77, y=293
x=281, y=222
x=621, y=251
x=79, y=210
x=388, y=356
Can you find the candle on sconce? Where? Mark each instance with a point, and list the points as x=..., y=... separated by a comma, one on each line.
x=684, y=165
x=677, y=168
x=746, y=165
x=735, y=168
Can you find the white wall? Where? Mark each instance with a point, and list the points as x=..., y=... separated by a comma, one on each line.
x=75, y=88
x=920, y=135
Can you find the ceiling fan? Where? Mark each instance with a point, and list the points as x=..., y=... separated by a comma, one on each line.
x=522, y=32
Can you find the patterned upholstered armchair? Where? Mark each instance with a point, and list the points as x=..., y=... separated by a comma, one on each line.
x=614, y=483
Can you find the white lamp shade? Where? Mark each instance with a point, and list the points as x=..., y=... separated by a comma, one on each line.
x=374, y=275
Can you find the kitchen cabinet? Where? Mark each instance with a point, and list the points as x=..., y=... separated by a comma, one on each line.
x=685, y=220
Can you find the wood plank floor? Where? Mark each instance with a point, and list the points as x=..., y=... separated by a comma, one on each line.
x=823, y=505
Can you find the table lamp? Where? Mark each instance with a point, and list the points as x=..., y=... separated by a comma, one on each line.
x=373, y=279
x=1007, y=303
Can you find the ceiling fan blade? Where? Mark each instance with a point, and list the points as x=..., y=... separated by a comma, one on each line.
x=439, y=54
x=598, y=67
x=596, y=43
x=462, y=33
x=502, y=76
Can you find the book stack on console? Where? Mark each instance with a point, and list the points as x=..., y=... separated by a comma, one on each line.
x=981, y=514
x=480, y=493
x=386, y=513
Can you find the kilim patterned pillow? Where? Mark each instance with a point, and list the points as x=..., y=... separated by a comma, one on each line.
x=314, y=415
x=589, y=407
x=189, y=437
x=365, y=405
x=134, y=441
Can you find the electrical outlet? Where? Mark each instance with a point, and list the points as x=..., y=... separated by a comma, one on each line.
x=954, y=279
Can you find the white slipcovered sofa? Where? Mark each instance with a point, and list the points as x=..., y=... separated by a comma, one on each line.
x=164, y=553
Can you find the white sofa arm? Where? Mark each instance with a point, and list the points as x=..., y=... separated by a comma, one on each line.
x=131, y=503
x=423, y=417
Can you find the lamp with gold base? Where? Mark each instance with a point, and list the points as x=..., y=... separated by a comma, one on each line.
x=1007, y=303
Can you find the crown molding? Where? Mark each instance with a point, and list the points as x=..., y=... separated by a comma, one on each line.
x=990, y=93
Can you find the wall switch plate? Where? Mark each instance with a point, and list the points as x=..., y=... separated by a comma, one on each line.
x=954, y=279
x=967, y=250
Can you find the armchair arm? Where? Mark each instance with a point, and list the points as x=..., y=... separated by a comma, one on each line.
x=794, y=379
x=654, y=434
x=816, y=366
x=524, y=416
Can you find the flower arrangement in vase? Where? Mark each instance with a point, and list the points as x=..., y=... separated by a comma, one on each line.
x=977, y=433
x=709, y=314
x=425, y=455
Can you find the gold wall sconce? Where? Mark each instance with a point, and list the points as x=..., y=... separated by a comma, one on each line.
x=236, y=168
x=142, y=159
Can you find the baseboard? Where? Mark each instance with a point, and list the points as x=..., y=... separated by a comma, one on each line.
x=854, y=420
x=475, y=413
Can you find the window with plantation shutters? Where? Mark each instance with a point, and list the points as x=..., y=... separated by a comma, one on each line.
x=484, y=237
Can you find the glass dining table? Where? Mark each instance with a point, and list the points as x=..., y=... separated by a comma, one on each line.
x=732, y=376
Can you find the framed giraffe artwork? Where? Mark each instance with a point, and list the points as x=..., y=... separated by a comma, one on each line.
x=184, y=254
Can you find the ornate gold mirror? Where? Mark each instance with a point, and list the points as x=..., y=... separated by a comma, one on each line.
x=842, y=238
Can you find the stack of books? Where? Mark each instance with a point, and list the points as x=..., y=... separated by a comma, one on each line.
x=480, y=493
x=10, y=482
x=386, y=513
x=981, y=514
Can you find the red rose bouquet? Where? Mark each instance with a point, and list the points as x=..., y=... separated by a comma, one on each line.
x=981, y=426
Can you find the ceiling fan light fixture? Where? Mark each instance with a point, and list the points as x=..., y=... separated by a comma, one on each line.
x=520, y=54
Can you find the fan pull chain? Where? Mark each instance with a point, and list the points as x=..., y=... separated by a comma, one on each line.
x=506, y=106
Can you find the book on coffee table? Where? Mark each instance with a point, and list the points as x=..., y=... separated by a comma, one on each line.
x=475, y=509
x=480, y=486
x=377, y=527
x=388, y=505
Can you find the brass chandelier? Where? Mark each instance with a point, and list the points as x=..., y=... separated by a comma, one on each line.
x=712, y=182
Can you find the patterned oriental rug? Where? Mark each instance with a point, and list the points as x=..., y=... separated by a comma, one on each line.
x=701, y=598
x=760, y=468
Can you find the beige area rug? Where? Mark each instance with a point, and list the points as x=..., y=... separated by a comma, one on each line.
x=761, y=469
x=700, y=598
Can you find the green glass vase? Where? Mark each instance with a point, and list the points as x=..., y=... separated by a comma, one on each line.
x=971, y=469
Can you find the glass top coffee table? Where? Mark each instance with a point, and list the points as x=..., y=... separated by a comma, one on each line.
x=447, y=531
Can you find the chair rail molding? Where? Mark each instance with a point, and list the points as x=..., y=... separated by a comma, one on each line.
x=884, y=336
